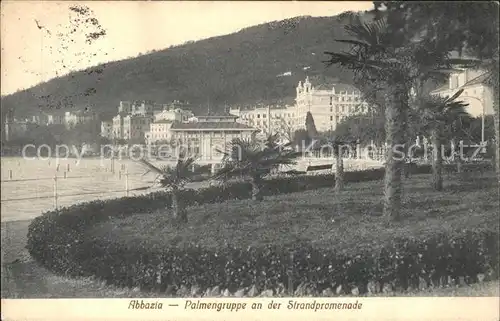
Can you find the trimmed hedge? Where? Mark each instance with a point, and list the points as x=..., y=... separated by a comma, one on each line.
x=58, y=240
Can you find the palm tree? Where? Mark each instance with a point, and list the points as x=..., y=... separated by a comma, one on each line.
x=440, y=113
x=174, y=179
x=387, y=53
x=252, y=159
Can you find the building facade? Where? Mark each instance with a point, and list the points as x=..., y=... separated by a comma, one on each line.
x=476, y=93
x=328, y=104
x=268, y=120
x=56, y=119
x=159, y=132
x=174, y=115
x=135, y=127
x=107, y=129
x=73, y=118
x=206, y=136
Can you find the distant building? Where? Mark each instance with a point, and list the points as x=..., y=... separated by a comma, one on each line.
x=40, y=119
x=159, y=131
x=268, y=120
x=56, y=118
x=73, y=118
x=174, y=115
x=117, y=127
x=14, y=128
x=476, y=93
x=135, y=127
x=206, y=135
x=107, y=129
x=328, y=104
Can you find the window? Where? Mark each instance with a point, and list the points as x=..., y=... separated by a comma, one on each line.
x=258, y=115
x=331, y=100
x=331, y=109
x=343, y=108
x=331, y=118
x=263, y=115
x=337, y=108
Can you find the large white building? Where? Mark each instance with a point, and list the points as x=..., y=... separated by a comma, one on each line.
x=476, y=93
x=107, y=129
x=73, y=118
x=328, y=104
x=269, y=119
x=159, y=132
x=144, y=121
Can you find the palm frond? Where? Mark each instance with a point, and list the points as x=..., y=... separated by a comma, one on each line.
x=353, y=42
x=151, y=167
x=353, y=62
x=454, y=96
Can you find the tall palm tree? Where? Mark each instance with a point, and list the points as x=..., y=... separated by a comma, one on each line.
x=439, y=113
x=174, y=179
x=387, y=53
x=464, y=27
x=253, y=159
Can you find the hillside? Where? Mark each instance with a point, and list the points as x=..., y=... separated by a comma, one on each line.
x=240, y=68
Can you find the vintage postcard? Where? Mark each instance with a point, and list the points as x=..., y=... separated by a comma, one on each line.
x=238, y=160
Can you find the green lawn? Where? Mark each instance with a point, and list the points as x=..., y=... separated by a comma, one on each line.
x=312, y=217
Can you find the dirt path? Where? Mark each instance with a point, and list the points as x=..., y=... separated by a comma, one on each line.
x=23, y=278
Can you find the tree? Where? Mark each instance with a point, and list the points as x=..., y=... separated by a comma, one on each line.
x=363, y=127
x=470, y=28
x=310, y=126
x=285, y=130
x=301, y=138
x=174, y=179
x=252, y=159
x=440, y=113
x=388, y=53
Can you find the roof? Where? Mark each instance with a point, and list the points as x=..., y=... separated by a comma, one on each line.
x=478, y=80
x=163, y=121
x=216, y=114
x=210, y=126
x=442, y=88
x=338, y=87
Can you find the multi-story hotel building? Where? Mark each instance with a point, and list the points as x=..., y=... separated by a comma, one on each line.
x=476, y=93
x=328, y=104
x=107, y=129
x=269, y=119
x=133, y=120
x=73, y=118
x=135, y=127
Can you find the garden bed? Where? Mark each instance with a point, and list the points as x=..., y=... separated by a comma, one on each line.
x=295, y=241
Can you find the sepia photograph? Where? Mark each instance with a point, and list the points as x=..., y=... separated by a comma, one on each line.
x=260, y=159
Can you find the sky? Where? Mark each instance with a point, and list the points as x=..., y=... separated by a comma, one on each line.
x=41, y=40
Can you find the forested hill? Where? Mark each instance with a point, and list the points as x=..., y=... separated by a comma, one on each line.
x=240, y=68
